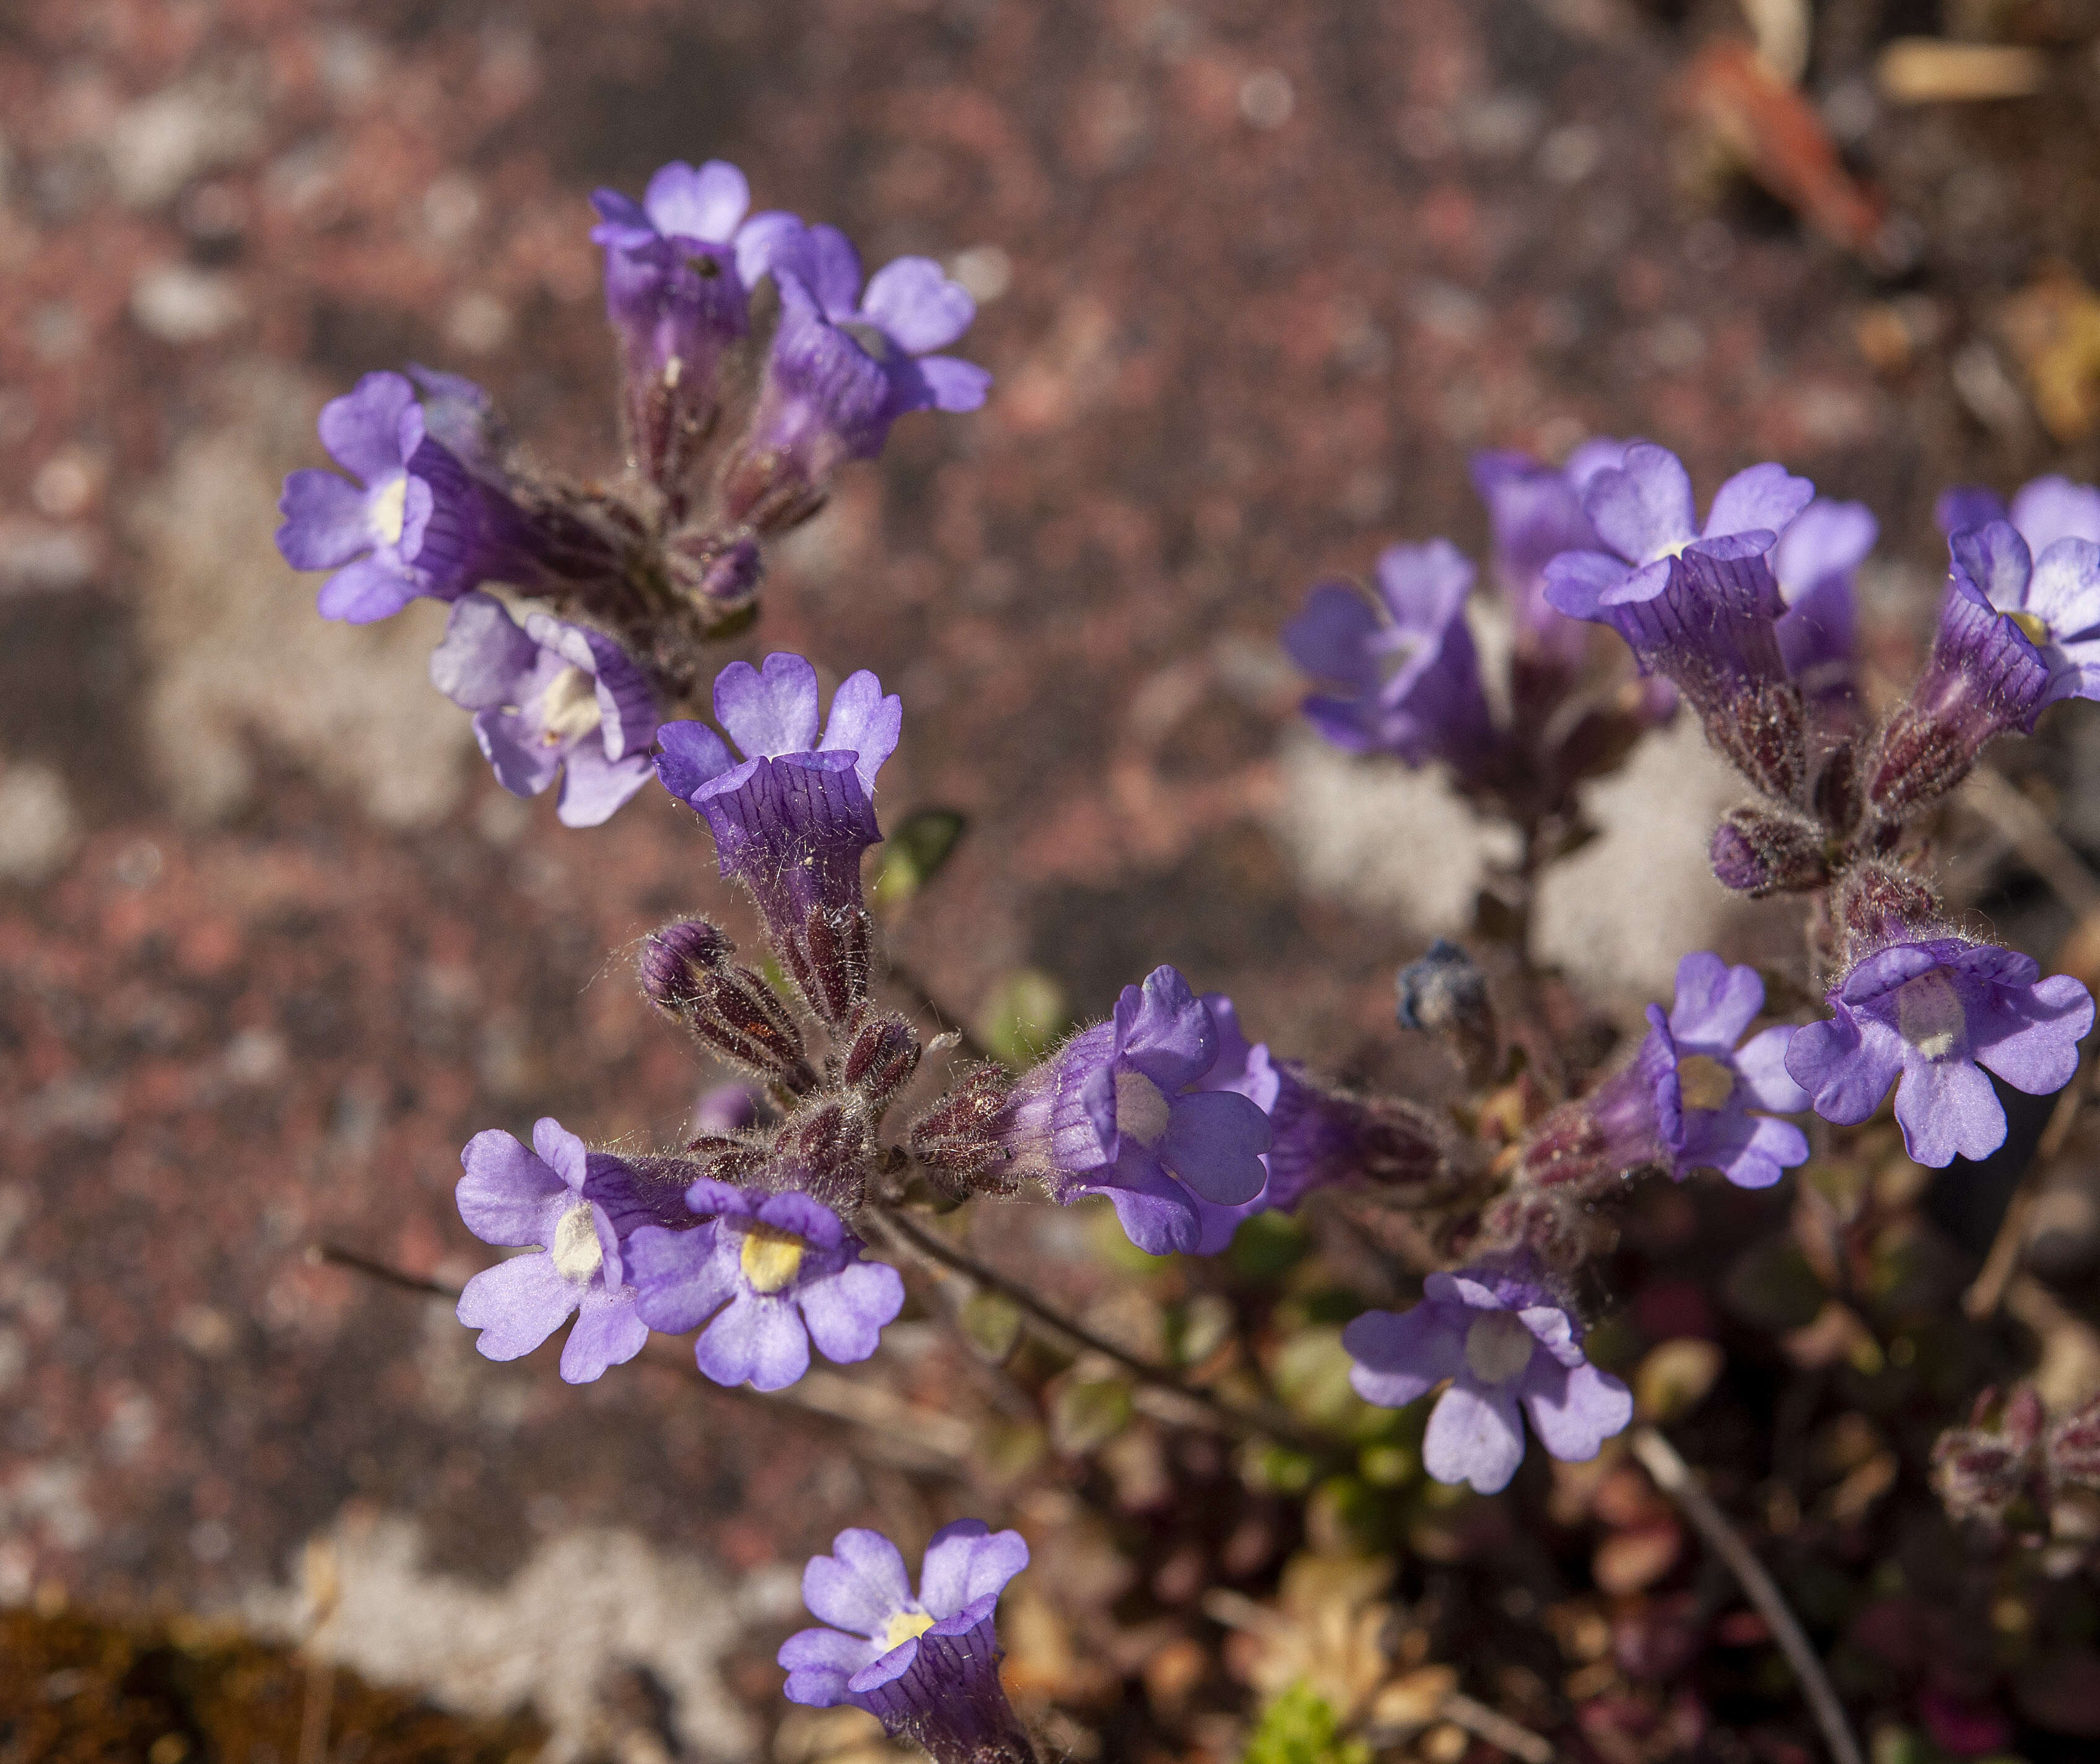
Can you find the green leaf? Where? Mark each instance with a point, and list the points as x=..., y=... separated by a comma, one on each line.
x=1023, y=1015
x=992, y=1321
x=1299, y=1728
x=913, y=854
x=1086, y=1415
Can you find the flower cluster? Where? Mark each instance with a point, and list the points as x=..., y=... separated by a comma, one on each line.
x=1400, y=674
x=633, y=580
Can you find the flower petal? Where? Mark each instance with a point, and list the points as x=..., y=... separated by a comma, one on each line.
x=771, y=712
x=967, y=1561
x=1643, y=510
x=681, y=1278
x=1474, y=1436
x=1401, y=1355
x=362, y=429
x=1946, y=1109
x=505, y=1194
x=1765, y=497
x=694, y=754
x=846, y=1311
x=608, y=1332
x=860, y=1586
x=705, y=204
x=754, y=1337
x=864, y=723
x=517, y=1304
x=913, y=300
x=1714, y=1003
x=1214, y=1142
x=1574, y=1409
x=2050, y=508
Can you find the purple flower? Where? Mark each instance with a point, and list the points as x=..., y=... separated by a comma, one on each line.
x=2045, y=510
x=1689, y=1099
x=549, y=697
x=1993, y=668
x=779, y=1269
x=675, y=298
x=1813, y=563
x=1119, y=1110
x=1926, y=1014
x=844, y=365
x=1697, y=605
x=575, y=1206
x=927, y=1667
x=1502, y=1340
x=1534, y=514
x=1409, y=674
x=411, y=520
x=2052, y=594
x=791, y=820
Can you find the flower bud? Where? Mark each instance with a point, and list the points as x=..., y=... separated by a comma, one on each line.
x=823, y=1150
x=1878, y=903
x=883, y=1056
x=686, y=973
x=1759, y=851
x=1446, y=994
x=829, y=957
x=964, y=1140
x=723, y=572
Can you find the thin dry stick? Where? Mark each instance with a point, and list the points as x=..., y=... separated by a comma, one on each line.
x=1265, y=1423
x=2043, y=848
x=1674, y=1476
x=1496, y=1728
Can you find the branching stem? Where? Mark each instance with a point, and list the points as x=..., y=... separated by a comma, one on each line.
x=1266, y=1422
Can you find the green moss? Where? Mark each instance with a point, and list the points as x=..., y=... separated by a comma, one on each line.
x=1299, y=1728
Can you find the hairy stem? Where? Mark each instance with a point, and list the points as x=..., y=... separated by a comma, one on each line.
x=1674, y=1476
x=1267, y=1421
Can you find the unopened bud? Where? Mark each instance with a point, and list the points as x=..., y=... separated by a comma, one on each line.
x=883, y=1056
x=1446, y=994
x=823, y=1150
x=1761, y=729
x=724, y=571
x=1878, y=903
x=765, y=489
x=686, y=972
x=1759, y=851
x=963, y=1140
x=830, y=958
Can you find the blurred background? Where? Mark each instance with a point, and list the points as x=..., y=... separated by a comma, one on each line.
x=1254, y=280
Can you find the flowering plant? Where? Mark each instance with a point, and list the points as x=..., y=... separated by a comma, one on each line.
x=1337, y=1255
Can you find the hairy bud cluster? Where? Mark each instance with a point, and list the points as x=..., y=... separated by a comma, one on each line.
x=1759, y=850
x=2008, y=1470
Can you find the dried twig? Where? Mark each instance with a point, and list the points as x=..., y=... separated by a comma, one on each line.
x=1674, y=1476
x=1987, y=1289
x=1496, y=1729
x=2044, y=849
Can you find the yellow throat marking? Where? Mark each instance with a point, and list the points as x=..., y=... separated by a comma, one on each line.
x=906, y=1626
x=771, y=1259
